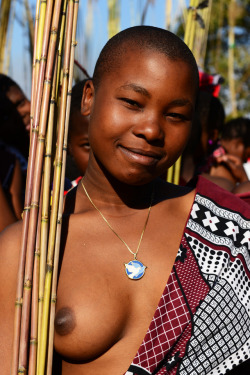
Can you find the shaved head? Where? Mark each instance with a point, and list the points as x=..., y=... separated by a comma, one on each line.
x=139, y=39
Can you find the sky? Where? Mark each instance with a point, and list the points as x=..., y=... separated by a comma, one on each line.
x=97, y=32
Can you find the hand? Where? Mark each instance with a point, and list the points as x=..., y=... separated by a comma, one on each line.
x=235, y=165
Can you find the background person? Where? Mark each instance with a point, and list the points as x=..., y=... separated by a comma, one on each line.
x=78, y=142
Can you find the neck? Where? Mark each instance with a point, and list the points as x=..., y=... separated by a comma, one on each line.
x=105, y=189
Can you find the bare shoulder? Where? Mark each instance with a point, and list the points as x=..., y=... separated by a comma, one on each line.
x=176, y=195
x=10, y=240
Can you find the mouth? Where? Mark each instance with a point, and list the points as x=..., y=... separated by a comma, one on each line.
x=27, y=127
x=141, y=156
x=26, y=122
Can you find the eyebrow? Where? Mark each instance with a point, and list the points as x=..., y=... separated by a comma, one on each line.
x=141, y=90
x=181, y=103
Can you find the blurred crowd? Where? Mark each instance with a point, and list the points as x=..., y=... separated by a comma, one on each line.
x=219, y=149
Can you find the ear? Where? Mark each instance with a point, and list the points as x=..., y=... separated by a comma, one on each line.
x=87, y=98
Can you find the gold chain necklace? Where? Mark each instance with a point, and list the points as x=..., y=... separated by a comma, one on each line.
x=134, y=269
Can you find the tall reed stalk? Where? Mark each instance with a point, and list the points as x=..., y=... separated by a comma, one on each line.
x=114, y=17
x=56, y=191
x=9, y=38
x=4, y=21
x=30, y=29
x=60, y=206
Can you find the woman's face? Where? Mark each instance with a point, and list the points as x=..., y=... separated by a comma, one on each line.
x=79, y=140
x=21, y=103
x=235, y=147
x=140, y=116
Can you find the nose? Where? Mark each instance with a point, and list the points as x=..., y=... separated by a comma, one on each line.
x=27, y=106
x=151, y=129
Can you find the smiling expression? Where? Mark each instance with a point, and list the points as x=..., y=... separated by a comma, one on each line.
x=140, y=116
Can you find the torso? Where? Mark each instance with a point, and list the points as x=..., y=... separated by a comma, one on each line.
x=102, y=316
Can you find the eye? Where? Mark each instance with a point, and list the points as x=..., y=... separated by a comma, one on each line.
x=20, y=104
x=176, y=117
x=130, y=103
x=85, y=145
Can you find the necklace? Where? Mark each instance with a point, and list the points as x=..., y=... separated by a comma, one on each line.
x=134, y=269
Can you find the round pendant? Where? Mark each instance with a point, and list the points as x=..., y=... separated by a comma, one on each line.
x=135, y=269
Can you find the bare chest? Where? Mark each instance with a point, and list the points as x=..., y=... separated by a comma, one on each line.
x=100, y=311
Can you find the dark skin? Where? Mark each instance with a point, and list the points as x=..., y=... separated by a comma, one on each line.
x=140, y=119
x=78, y=144
x=11, y=209
x=22, y=104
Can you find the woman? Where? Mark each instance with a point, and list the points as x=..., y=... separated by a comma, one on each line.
x=140, y=268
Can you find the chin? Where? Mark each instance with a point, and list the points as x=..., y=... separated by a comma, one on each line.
x=137, y=180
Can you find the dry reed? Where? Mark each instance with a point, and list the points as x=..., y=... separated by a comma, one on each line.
x=4, y=21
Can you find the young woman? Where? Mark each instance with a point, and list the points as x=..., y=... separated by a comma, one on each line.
x=154, y=277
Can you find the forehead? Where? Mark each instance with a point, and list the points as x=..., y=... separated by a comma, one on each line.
x=15, y=94
x=150, y=68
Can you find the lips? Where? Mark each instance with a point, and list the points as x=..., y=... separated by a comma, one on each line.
x=144, y=157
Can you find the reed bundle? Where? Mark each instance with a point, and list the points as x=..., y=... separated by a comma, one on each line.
x=196, y=32
x=54, y=44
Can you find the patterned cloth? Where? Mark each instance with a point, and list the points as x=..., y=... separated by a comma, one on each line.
x=202, y=323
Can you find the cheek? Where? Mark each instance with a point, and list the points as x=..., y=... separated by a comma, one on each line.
x=178, y=137
x=108, y=122
x=236, y=150
x=27, y=107
x=241, y=152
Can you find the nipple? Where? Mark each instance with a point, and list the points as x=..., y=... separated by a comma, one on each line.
x=65, y=321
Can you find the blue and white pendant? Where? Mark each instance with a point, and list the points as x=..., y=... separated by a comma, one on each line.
x=135, y=269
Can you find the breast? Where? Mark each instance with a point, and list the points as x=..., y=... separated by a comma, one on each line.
x=89, y=326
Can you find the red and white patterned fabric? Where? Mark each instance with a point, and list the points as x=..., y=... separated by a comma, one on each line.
x=202, y=323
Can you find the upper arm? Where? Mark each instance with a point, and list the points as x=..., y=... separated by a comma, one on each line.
x=10, y=240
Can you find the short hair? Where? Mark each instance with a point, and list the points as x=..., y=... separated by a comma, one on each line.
x=237, y=128
x=144, y=38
